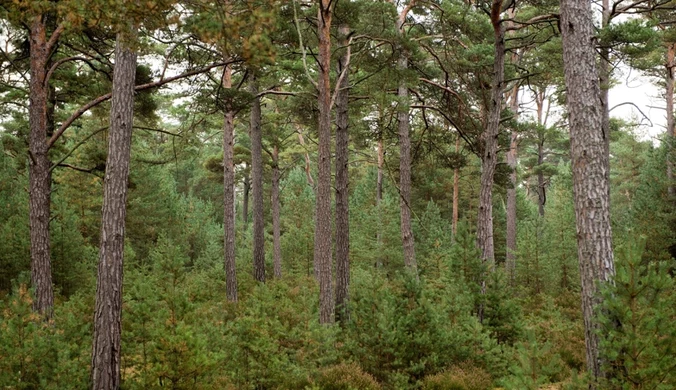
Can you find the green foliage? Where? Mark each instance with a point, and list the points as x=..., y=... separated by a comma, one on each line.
x=637, y=323
x=535, y=365
x=345, y=376
x=461, y=377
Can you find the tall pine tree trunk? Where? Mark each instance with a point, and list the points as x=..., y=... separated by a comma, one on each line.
x=403, y=119
x=590, y=176
x=490, y=143
x=229, y=190
x=669, y=79
x=322, y=249
x=342, y=182
x=106, y=351
x=542, y=194
x=456, y=192
x=40, y=180
x=379, y=196
x=257, y=183
x=276, y=229
x=511, y=155
x=245, y=198
x=604, y=80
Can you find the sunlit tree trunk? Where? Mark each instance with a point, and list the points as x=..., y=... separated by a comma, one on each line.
x=590, y=176
x=322, y=249
x=257, y=184
x=106, y=352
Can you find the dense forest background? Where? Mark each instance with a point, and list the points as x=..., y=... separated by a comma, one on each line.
x=449, y=278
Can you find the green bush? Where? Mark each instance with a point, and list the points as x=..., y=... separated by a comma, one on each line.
x=345, y=376
x=459, y=378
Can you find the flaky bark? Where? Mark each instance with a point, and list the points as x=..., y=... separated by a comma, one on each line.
x=40, y=180
x=342, y=183
x=106, y=351
x=276, y=229
x=229, y=191
x=322, y=249
x=257, y=184
x=403, y=119
x=590, y=183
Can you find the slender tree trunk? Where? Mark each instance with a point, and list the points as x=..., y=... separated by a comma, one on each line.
x=403, y=120
x=379, y=196
x=276, y=235
x=229, y=191
x=542, y=195
x=490, y=137
x=590, y=176
x=40, y=180
x=308, y=175
x=511, y=156
x=342, y=182
x=322, y=249
x=245, y=198
x=257, y=181
x=456, y=191
x=106, y=351
x=670, y=65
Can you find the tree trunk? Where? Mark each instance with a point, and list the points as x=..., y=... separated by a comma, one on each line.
x=257, y=182
x=245, y=198
x=342, y=182
x=590, y=176
x=671, y=63
x=456, y=190
x=511, y=155
x=276, y=235
x=39, y=175
x=322, y=249
x=229, y=191
x=403, y=120
x=542, y=194
x=107, y=320
x=379, y=195
x=490, y=148
x=604, y=80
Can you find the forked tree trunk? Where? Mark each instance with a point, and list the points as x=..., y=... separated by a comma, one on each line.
x=276, y=230
x=342, y=182
x=322, y=249
x=257, y=183
x=229, y=191
x=590, y=176
x=106, y=351
x=403, y=119
x=40, y=180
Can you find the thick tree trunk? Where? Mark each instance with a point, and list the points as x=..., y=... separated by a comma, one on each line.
x=511, y=156
x=670, y=65
x=456, y=192
x=107, y=320
x=257, y=182
x=276, y=229
x=40, y=180
x=403, y=119
x=322, y=249
x=342, y=183
x=229, y=191
x=604, y=80
x=490, y=148
x=590, y=176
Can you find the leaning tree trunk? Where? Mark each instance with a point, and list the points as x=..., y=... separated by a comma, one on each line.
x=107, y=320
x=257, y=183
x=276, y=230
x=322, y=249
x=342, y=200
x=404, y=125
x=590, y=176
x=40, y=180
x=229, y=191
x=490, y=147
x=670, y=65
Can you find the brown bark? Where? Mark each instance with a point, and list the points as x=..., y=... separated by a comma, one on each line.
x=257, y=184
x=276, y=230
x=490, y=143
x=456, y=191
x=40, y=180
x=590, y=183
x=245, y=198
x=670, y=65
x=229, y=191
x=342, y=182
x=542, y=197
x=511, y=156
x=403, y=119
x=322, y=249
x=604, y=80
x=106, y=351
